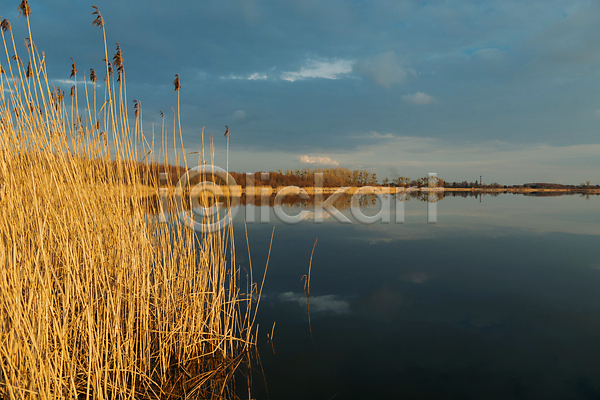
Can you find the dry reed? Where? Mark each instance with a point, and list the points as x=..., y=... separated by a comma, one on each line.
x=97, y=300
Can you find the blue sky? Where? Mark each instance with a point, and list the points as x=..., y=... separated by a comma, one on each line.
x=505, y=89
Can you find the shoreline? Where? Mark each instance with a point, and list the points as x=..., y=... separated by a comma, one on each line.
x=311, y=190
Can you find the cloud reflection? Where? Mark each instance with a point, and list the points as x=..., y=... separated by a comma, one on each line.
x=327, y=303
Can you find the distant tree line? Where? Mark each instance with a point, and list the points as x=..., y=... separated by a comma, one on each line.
x=550, y=186
x=332, y=177
x=537, y=185
x=585, y=185
x=465, y=184
x=403, y=181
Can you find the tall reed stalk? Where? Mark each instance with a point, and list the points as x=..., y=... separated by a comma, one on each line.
x=96, y=300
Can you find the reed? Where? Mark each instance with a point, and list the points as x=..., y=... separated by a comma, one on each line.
x=97, y=300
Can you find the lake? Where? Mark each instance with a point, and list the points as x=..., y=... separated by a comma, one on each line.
x=499, y=299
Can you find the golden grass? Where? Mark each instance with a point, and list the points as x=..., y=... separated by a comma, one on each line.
x=97, y=301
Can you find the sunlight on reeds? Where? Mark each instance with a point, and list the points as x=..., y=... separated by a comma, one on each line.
x=96, y=299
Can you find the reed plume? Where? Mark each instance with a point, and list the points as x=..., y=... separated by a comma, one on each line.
x=118, y=62
x=176, y=83
x=108, y=67
x=24, y=9
x=99, y=21
x=73, y=69
x=5, y=25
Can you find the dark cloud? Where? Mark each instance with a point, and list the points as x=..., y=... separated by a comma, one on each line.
x=524, y=72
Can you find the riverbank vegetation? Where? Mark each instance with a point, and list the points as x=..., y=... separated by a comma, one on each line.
x=98, y=300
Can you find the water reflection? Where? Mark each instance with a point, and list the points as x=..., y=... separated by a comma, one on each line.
x=499, y=299
x=342, y=203
x=345, y=201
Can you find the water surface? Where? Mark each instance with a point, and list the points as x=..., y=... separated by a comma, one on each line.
x=499, y=299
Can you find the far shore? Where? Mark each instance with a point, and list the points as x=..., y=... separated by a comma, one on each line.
x=310, y=190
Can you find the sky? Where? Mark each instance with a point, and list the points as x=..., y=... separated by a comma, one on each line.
x=506, y=89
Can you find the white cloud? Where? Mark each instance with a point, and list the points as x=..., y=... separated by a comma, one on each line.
x=320, y=69
x=257, y=77
x=318, y=160
x=377, y=135
x=251, y=77
x=239, y=114
x=384, y=69
x=418, y=98
x=72, y=82
x=328, y=69
x=327, y=303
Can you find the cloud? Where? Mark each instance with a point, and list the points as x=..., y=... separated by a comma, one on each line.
x=257, y=77
x=239, y=114
x=418, y=98
x=72, y=82
x=318, y=160
x=377, y=135
x=251, y=77
x=502, y=161
x=505, y=163
x=320, y=69
x=384, y=69
x=333, y=69
x=327, y=303
x=571, y=41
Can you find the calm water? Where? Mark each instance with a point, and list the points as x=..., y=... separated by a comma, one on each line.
x=499, y=299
